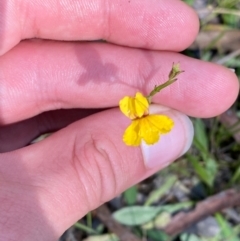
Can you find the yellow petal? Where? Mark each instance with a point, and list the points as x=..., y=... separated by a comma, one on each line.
x=148, y=128
x=162, y=123
x=131, y=135
x=152, y=126
x=134, y=107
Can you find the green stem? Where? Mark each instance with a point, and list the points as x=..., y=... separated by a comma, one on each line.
x=175, y=71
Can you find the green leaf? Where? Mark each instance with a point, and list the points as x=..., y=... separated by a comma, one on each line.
x=189, y=237
x=104, y=237
x=206, y=56
x=202, y=173
x=226, y=229
x=162, y=220
x=136, y=215
x=234, y=62
x=201, y=143
x=159, y=222
x=160, y=192
x=212, y=167
x=130, y=195
x=139, y=215
x=172, y=208
x=236, y=229
x=236, y=176
x=200, y=137
x=157, y=235
x=189, y=2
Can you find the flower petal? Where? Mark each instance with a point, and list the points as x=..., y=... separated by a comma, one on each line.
x=141, y=105
x=131, y=135
x=152, y=126
x=134, y=107
x=161, y=123
x=148, y=128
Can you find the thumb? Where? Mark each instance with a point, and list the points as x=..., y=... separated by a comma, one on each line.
x=86, y=164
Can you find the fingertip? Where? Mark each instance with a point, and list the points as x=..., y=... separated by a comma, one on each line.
x=190, y=17
x=171, y=145
x=222, y=89
x=162, y=25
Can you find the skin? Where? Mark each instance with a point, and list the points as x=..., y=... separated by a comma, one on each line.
x=46, y=187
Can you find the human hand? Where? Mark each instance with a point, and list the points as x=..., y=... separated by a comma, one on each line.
x=46, y=187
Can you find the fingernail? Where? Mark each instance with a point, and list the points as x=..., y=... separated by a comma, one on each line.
x=171, y=145
x=233, y=70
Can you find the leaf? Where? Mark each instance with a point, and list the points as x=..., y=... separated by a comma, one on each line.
x=234, y=62
x=200, y=137
x=160, y=192
x=157, y=235
x=136, y=215
x=206, y=172
x=189, y=237
x=159, y=222
x=226, y=229
x=202, y=172
x=189, y=2
x=236, y=229
x=236, y=176
x=164, y=216
x=130, y=195
x=104, y=237
x=139, y=215
x=172, y=208
x=162, y=220
x=211, y=166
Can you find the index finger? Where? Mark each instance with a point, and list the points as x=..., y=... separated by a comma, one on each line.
x=152, y=24
x=37, y=76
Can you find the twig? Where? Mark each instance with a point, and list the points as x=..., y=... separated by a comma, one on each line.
x=123, y=233
x=203, y=209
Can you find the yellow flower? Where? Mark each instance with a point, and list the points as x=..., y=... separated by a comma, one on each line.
x=134, y=107
x=144, y=126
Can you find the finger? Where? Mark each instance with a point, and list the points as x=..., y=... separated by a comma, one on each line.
x=150, y=24
x=37, y=75
x=27, y=130
x=81, y=166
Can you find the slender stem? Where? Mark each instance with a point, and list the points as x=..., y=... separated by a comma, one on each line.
x=160, y=87
x=175, y=71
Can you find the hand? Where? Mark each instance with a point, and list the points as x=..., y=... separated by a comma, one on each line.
x=46, y=187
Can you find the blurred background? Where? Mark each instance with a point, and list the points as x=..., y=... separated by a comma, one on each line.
x=197, y=198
